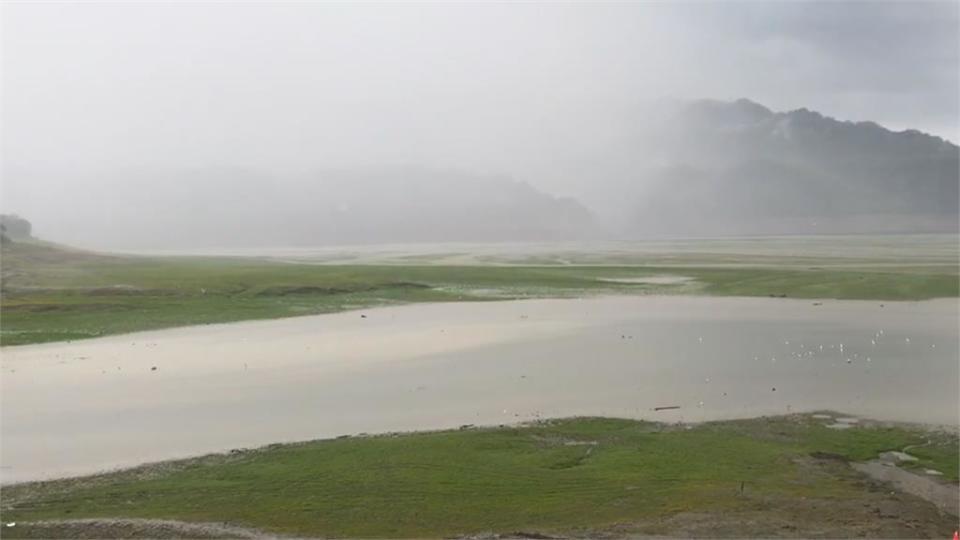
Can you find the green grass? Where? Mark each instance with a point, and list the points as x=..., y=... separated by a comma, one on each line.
x=575, y=474
x=852, y=284
x=52, y=294
x=940, y=452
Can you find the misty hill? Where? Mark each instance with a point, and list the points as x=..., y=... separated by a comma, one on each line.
x=222, y=208
x=705, y=168
x=740, y=168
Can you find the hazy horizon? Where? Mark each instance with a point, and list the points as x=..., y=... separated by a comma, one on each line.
x=120, y=119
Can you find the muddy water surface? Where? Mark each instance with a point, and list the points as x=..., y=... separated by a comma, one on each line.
x=81, y=407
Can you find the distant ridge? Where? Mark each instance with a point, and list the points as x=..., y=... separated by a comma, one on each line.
x=224, y=208
x=740, y=168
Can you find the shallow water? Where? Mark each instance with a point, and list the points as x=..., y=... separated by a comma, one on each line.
x=75, y=408
x=651, y=280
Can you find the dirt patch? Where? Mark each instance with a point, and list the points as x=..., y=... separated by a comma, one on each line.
x=879, y=514
x=945, y=497
x=877, y=510
x=128, y=528
x=287, y=291
x=828, y=456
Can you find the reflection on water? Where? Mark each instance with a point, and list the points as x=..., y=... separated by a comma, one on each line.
x=75, y=408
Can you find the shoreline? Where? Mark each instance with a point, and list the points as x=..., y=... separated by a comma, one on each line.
x=581, y=295
x=561, y=478
x=145, y=468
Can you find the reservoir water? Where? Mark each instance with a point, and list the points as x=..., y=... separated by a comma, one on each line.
x=87, y=406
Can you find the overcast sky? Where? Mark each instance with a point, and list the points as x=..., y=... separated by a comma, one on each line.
x=90, y=88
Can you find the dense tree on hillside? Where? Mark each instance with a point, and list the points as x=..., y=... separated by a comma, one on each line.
x=14, y=227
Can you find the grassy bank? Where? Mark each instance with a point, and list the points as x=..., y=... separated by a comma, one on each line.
x=763, y=477
x=52, y=294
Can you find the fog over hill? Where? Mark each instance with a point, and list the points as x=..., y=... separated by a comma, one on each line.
x=740, y=168
x=187, y=125
x=703, y=168
x=215, y=208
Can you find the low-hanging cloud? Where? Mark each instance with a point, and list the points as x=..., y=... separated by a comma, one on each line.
x=98, y=97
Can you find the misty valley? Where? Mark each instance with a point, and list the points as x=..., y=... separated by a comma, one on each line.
x=480, y=270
